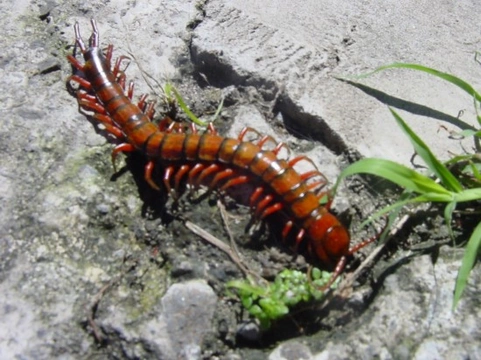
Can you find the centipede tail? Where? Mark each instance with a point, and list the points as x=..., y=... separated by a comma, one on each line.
x=210, y=160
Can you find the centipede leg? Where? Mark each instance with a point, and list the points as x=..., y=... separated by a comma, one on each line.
x=87, y=97
x=108, y=53
x=169, y=171
x=295, y=160
x=255, y=196
x=278, y=148
x=222, y=175
x=234, y=181
x=325, y=198
x=247, y=130
x=75, y=63
x=149, y=168
x=141, y=103
x=164, y=123
x=287, y=229
x=271, y=210
x=207, y=172
x=130, y=90
x=211, y=129
x=299, y=237
x=121, y=79
x=263, y=208
x=277, y=145
x=84, y=84
x=192, y=176
x=125, y=147
x=90, y=104
x=184, y=169
x=149, y=110
x=116, y=69
x=109, y=126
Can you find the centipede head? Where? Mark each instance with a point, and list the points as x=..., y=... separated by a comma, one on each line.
x=328, y=240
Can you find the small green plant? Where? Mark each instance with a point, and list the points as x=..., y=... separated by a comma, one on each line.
x=171, y=93
x=272, y=301
x=455, y=181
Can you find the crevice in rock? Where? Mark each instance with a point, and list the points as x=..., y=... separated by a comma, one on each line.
x=212, y=68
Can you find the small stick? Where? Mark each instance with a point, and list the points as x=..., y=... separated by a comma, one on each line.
x=218, y=243
x=349, y=279
x=92, y=308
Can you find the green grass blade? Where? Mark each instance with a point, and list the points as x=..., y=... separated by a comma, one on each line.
x=396, y=173
x=445, y=76
x=168, y=90
x=219, y=109
x=468, y=195
x=448, y=217
x=469, y=259
x=446, y=177
x=458, y=158
x=186, y=109
x=427, y=197
x=475, y=171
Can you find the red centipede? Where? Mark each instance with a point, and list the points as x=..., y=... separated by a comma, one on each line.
x=208, y=159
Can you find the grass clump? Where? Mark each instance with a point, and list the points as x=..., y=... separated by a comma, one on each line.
x=457, y=180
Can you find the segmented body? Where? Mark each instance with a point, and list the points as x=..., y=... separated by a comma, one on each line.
x=209, y=159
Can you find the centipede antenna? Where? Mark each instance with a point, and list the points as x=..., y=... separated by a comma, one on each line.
x=78, y=38
x=366, y=242
x=94, y=38
x=337, y=271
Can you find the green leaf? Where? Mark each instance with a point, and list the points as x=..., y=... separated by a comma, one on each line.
x=448, y=217
x=247, y=302
x=273, y=309
x=446, y=177
x=316, y=273
x=459, y=158
x=245, y=288
x=396, y=173
x=469, y=259
x=256, y=311
x=168, y=90
x=219, y=109
x=468, y=195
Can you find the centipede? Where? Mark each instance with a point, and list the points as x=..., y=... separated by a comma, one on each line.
x=208, y=159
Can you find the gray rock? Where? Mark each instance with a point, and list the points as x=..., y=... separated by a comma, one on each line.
x=412, y=316
x=291, y=350
x=187, y=311
x=69, y=230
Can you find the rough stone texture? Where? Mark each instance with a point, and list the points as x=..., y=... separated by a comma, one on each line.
x=76, y=241
x=412, y=317
x=291, y=350
x=298, y=51
x=176, y=331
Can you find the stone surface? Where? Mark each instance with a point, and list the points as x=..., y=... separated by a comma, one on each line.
x=77, y=243
x=291, y=350
x=299, y=51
